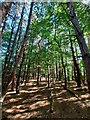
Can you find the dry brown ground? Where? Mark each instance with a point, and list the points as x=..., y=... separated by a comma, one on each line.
x=34, y=101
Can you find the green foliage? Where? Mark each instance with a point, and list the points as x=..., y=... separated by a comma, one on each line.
x=48, y=37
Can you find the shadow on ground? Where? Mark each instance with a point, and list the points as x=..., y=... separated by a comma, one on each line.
x=35, y=101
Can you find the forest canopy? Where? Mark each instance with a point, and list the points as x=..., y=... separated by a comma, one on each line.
x=49, y=37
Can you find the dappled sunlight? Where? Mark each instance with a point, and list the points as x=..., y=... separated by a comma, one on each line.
x=80, y=103
x=72, y=99
x=88, y=103
x=45, y=59
x=85, y=96
x=17, y=116
x=10, y=92
x=38, y=97
x=19, y=106
x=11, y=102
x=83, y=88
x=9, y=110
x=35, y=101
x=34, y=114
x=20, y=111
x=15, y=100
x=39, y=104
x=23, y=115
x=30, y=91
x=34, y=88
x=72, y=84
x=60, y=93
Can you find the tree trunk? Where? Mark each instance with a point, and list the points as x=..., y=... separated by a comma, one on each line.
x=15, y=38
x=11, y=50
x=56, y=71
x=28, y=70
x=38, y=70
x=20, y=53
x=48, y=77
x=89, y=43
x=19, y=73
x=81, y=41
x=5, y=7
x=64, y=70
x=76, y=67
x=68, y=72
x=12, y=87
x=59, y=74
x=75, y=74
x=24, y=76
x=7, y=54
x=4, y=24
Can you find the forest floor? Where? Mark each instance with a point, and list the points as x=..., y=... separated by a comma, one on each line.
x=35, y=101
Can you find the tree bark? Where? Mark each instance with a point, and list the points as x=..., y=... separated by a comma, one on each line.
x=76, y=66
x=12, y=87
x=28, y=70
x=56, y=71
x=64, y=70
x=38, y=77
x=59, y=74
x=19, y=73
x=20, y=53
x=15, y=38
x=5, y=7
x=48, y=76
x=10, y=51
x=7, y=54
x=81, y=41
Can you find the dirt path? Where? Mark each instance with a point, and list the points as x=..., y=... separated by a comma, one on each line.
x=35, y=101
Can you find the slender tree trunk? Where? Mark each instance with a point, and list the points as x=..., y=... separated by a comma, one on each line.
x=56, y=71
x=84, y=76
x=75, y=74
x=64, y=70
x=68, y=72
x=38, y=77
x=7, y=54
x=15, y=38
x=89, y=43
x=24, y=76
x=12, y=87
x=76, y=67
x=20, y=53
x=10, y=51
x=81, y=41
x=48, y=77
x=19, y=73
x=4, y=24
x=59, y=75
x=28, y=70
x=72, y=72
x=33, y=72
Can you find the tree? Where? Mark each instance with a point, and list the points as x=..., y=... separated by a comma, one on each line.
x=81, y=41
x=5, y=7
x=5, y=87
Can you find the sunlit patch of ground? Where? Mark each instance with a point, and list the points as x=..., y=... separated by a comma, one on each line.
x=35, y=101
